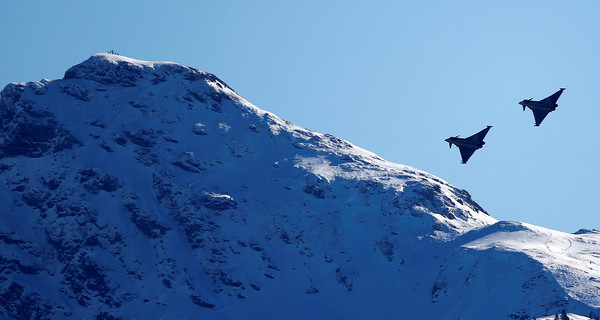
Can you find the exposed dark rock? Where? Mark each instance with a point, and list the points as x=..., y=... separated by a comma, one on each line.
x=254, y=286
x=199, y=129
x=94, y=181
x=190, y=164
x=227, y=279
x=35, y=198
x=312, y=290
x=439, y=290
x=315, y=190
x=144, y=138
x=343, y=279
x=12, y=265
x=519, y=315
x=121, y=141
x=87, y=280
x=28, y=132
x=76, y=91
x=106, y=147
x=158, y=78
x=17, y=303
x=218, y=202
x=145, y=222
x=218, y=98
x=463, y=194
x=430, y=197
x=52, y=181
x=201, y=302
x=587, y=231
x=386, y=248
x=107, y=316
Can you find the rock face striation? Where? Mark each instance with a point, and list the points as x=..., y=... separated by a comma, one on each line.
x=151, y=190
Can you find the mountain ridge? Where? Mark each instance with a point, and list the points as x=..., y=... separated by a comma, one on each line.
x=137, y=189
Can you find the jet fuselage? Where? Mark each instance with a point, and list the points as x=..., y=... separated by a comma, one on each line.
x=468, y=143
x=538, y=105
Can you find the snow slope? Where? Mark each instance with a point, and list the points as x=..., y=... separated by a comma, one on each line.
x=136, y=190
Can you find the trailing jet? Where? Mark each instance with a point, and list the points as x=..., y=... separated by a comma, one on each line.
x=543, y=107
x=467, y=146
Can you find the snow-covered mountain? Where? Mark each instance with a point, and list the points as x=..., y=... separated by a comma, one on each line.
x=151, y=190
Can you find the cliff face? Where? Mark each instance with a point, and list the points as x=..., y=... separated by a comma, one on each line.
x=136, y=189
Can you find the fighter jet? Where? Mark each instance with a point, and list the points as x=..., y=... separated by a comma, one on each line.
x=543, y=107
x=467, y=146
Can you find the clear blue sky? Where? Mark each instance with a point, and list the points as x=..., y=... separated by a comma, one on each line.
x=393, y=77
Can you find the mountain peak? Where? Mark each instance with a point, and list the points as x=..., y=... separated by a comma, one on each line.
x=101, y=58
x=107, y=68
x=187, y=93
x=152, y=189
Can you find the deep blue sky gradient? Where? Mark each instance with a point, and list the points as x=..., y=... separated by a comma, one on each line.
x=393, y=77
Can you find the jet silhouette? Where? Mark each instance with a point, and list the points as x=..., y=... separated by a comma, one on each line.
x=543, y=107
x=467, y=146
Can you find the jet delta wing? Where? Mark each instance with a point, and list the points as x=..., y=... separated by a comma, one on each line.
x=539, y=116
x=467, y=146
x=543, y=107
x=465, y=154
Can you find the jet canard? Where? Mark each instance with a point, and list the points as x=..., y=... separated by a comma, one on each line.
x=541, y=108
x=468, y=146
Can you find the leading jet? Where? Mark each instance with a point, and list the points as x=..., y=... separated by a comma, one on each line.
x=543, y=107
x=468, y=146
